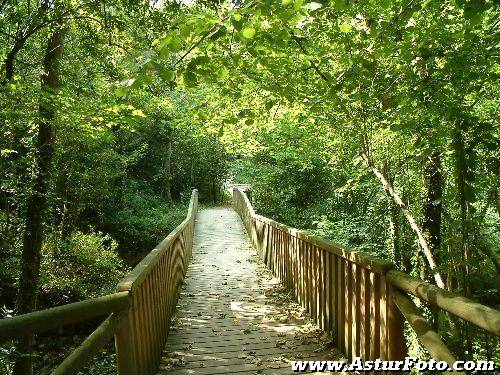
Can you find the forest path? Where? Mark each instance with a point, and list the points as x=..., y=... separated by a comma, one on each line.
x=233, y=316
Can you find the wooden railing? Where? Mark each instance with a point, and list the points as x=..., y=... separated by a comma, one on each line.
x=360, y=300
x=154, y=289
x=139, y=313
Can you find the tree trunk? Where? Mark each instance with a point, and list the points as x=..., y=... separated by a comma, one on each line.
x=166, y=168
x=409, y=217
x=464, y=197
x=393, y=222
x=33, y=235
x=214, y=190
x=431, y=223
x=465, y=178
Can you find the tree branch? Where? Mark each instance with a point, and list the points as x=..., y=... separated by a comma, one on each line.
x=409, y=217
x=304, y=51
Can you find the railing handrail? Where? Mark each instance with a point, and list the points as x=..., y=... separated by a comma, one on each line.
x=397, y=283
x=45, y=320
x=482, y=316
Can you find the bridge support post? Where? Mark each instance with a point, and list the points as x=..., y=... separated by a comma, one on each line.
x=124, y=344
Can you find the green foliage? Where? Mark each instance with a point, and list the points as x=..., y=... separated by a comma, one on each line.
x=145, y=220
x=79, y=267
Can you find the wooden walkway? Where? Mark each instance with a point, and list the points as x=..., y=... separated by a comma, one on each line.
x=233, y=316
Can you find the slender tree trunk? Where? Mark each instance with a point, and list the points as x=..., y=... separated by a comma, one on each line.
x=214, y=190
x=62, y=225
x=409, y=217
x=433, y=207
x=464, y=159
x=33, y=235
x=393, y=221
x=464, y=195
x=191, y=172
x=167, y=170
x=496, y=201
x=431, y=223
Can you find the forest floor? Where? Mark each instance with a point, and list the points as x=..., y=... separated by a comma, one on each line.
x=233, y=316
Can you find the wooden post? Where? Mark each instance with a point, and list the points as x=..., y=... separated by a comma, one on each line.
x=397, y=349
x=125, y=347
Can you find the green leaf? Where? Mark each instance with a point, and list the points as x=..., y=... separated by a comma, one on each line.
x=345, y=27
x=166, y=74
x=340, y=4
x=286, y=2
x=248, y=32
x=269, y=104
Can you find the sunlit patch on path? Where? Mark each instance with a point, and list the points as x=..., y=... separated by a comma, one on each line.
x=233, y=315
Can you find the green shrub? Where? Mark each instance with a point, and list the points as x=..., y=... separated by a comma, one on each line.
x=145, y=220
x=83, y=266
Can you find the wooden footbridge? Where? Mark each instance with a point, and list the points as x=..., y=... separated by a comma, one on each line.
x=251, y=302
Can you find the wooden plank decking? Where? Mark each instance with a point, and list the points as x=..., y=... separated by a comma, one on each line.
x=233, y=317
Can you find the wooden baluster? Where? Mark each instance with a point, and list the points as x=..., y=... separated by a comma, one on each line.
x=305, y=274
x=383, y=318
x=157, y=305
x=365, y=313
x=268, y=243
x=285, y=260
x=154, y=308
x=279, y=260
x=302, y=276
x=356, y=307
x=314, y=268
x=319, y=287
x=289, y=262
x=296, y=270
x=317, y=283
x=266, y=250
x=279, y=257
x=168, y=276
x=348, y=309
x=334, y=293
x=276, y=251
x=163, y=302
x=144, y=329
x=327, y=291
x=374, y=315
x=341, y=301
x=151, y=303
x=282, y=258
x=273, y=250
x=149, y=323
x=166, y=299
x=310, y=276
x=293, y=258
